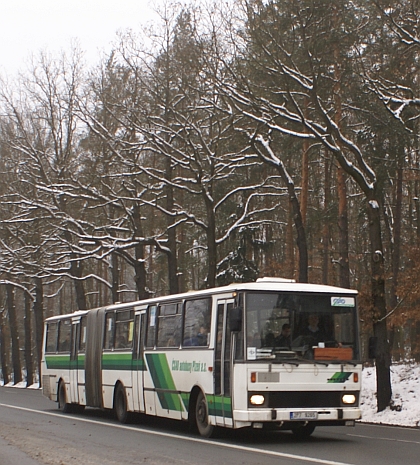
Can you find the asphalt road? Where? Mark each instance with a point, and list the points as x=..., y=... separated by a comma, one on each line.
x=34, y=432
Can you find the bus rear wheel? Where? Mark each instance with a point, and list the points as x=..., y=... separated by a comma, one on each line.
x=120, y=404
x=204, y=428
x=62, y=399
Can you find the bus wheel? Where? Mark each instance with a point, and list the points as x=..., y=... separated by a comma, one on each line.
x=120, y=404
x=78, y=408
x=202, y=416
x=302, y=432
x=62, y=398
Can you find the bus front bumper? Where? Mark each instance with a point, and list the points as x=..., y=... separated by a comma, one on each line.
x=327, y=415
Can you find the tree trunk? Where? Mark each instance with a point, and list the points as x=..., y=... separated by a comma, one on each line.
x=383, y=359
x=417, y=204
x=3, y=349
x=14, y=334
x=38, y=307
x=397, y=233
x=171, y=231
x=29, y=364
x=294, y=201
x=305, y=174
x=211, y=245
x=115, y=278
x=301, y=236
x=343, y=224
x=326, y=228
x=290, y=246
x=76, y=270
x=343, y=228
x=140, y=263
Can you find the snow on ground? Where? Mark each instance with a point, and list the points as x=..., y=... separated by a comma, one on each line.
x=405, y=405
x=405, y=409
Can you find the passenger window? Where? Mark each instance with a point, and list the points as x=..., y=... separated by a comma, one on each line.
x=52, y=333
x=124, y=329
x=64, y=336
x=151, y=325
x=109, y=331
x=197, y=322
x=82, y=342
x=169, y=325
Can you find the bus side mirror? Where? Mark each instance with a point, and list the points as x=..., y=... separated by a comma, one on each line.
x=235, y=319
x=373, y=342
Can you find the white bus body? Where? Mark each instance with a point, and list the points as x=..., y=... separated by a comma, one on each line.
x=213, y=358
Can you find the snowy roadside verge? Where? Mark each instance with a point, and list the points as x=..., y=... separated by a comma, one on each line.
x=405, y=408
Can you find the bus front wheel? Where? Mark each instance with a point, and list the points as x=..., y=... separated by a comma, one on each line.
x=202, y=416
x=303, y=432
x=120, y=404
x=62, y=398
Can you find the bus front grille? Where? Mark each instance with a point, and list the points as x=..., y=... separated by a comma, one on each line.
x=308, y=399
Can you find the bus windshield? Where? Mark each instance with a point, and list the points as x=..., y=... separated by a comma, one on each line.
x=309, y=326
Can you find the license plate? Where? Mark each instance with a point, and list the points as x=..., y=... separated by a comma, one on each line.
x=303, y=415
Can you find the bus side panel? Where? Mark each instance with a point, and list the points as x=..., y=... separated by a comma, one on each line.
x=54, y=367
x=81, y=386
x=48, y=377
x=170, y=378
x=51, y=377
x=240, y=395
x=116, y=367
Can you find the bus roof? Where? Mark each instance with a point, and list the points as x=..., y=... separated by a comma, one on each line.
x=262, y=284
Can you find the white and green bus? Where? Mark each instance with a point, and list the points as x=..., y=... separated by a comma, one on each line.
x=214, y=357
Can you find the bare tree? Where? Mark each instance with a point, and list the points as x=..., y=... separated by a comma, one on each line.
x=281, y=109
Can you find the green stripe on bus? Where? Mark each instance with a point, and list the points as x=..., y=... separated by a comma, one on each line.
x=139, y=365
x=170, y=401
x=340, y=377
x=116, y=361
x=58, y=362
x=163, y=382
x=220, y=406
x=160, y=371
x=185, y=396
x=63, y=362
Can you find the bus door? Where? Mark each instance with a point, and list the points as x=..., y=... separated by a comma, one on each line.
x=74, y=368
x=138, y=359
x=223, y=364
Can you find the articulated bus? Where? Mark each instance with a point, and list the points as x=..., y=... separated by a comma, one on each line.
x=214, y=358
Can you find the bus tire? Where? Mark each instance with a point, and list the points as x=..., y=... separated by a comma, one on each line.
x=62, y=399
x=77, y=408
x=205, y=429
x=120, y=404
x=302, y=432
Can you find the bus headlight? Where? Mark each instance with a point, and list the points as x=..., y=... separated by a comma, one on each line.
x=257, y=399
x=348, y=399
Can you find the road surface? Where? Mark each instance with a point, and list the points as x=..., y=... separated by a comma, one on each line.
x=34, y=432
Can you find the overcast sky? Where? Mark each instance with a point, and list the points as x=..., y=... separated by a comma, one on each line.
x=28, y=26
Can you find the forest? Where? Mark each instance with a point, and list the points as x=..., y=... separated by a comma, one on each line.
x=226, y=142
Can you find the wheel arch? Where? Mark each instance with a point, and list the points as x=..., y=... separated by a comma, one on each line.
x=191, y=403
x=59, y=383
x=116, y=386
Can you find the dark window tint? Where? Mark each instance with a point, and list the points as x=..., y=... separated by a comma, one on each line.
x=151, y=325
x=109, y=331
x=197, y=322
x=82, y=342
x=169, y=325
x=52, y=333
x=64, y=336
x=124, y=329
